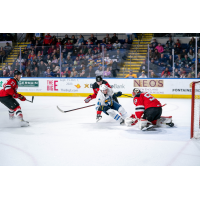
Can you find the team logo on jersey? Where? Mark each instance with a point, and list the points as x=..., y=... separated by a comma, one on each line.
x=86, y=85
x=78, y=86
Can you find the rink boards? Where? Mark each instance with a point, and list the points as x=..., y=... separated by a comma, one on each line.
x=82, y=87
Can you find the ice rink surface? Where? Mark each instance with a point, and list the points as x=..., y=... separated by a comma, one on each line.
x=75, y=139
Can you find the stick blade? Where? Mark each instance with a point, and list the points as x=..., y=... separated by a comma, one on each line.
x=60, y=110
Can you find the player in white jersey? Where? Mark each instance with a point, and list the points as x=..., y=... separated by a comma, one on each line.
x=106, y=104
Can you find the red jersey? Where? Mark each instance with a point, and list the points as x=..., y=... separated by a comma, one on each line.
x=96, y=88
x=47, y=39
x=142, y=101
x=10, y=88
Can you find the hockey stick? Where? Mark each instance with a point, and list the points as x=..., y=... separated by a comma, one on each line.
x=74, y=109
x=127, y=95
x=30, y=101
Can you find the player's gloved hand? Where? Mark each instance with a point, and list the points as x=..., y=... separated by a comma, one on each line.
x=131, y=121
x=88, y=99
x=117, y=94
x=21, y=97
x=98, y=117
x=103, y=108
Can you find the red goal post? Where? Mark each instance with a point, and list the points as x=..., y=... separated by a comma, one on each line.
x=195, y=110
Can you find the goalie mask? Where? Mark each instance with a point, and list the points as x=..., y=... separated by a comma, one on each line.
x=135, y=91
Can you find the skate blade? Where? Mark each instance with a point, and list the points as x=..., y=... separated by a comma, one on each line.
x=147, y=128
x=24, y=124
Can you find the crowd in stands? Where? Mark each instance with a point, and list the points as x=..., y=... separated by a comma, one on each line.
x=161, y=59
x=70, y=57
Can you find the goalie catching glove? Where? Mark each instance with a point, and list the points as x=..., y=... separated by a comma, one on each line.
x=117, y=94
x=131, y=121
x=88, y=99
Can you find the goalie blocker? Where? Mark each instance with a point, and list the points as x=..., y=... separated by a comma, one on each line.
x=148, y=111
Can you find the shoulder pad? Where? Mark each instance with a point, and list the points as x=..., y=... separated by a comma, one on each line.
x=138, y=94
x=95, y=85
x=104, y=82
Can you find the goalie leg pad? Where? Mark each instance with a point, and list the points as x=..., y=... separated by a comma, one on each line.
x=143, y=124
x=11, y=114
x=164, y=120
x=18, y=112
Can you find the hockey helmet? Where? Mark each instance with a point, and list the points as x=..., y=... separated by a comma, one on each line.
x=135, y=91
x=16, y=72
x=103, y=87
x=99, y=78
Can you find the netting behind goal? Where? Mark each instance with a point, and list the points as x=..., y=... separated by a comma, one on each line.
x=195, y=110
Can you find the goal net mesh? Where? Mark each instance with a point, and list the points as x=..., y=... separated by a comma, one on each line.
x=196, y=110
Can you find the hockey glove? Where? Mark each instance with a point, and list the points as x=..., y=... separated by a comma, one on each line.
x=117, y=94
x=103, y=108
x=88, y=99
x=21, y=97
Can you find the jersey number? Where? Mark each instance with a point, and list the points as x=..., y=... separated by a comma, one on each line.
x=151, y=98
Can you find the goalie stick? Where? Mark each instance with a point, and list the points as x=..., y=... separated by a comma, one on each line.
x=30, y=101
x=74, y=109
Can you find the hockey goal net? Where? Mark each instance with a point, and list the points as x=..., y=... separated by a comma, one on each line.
x=195, y=110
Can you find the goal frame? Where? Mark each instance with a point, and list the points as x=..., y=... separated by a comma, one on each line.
x=192, y=108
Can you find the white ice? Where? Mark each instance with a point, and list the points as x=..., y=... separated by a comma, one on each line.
x=75, y=139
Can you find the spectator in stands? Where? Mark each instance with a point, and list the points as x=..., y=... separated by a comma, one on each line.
x=143, y=75
x=143, y=67
x=115, y=68
x=191, y=43
x=183, y=75
x=198, y=75
x=165, y=75
x=152, y=75
x=51, y=49
x=93, y=39
x=7, y=47
x=107, y=38
x=2, y=53
x=5, y=73
x=73, y=39
x=178, y=44
x=55, y=60
x=109, y=46
x=47, y=73
x=186, y=60
x=69, y=61
x=176, y=50
x=126, y=45
x=76, y=61
x=183, y=53
x=67, y=72
x=69, y=46
x=47, y=40
x=170, y=42
x=170, y=61
x=16, y=66
x=131, y=75
x=167, y=49
x=190, y=54
x=58, y=43
x=54, y=40
x=99, y=71
x=72, y=72
x=40, y=41
x=89, y=43
x=107, y=73
x=80, y=40
x=182, y=71
x=35, y=72
x=44, y=51
x=117, y=45
x=114, y=38
x=55, y=68
x=192, y=72
x=34, y=40
x=27, y=73
x=154, y=43
x=82, y=74
x=166, y=71
x=42, y=66
x=189, y=75
x=156, y=55
x=151, y=47
x=20, y=60
x=162, y=60
x=153, y=67
x=198, y=53
x=90, y=72
x=65, y=39
x=179, y=61
x=28, y=37
x=176, y=73
x=160, y=48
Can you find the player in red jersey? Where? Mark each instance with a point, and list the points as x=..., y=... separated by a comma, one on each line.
x=100, y=81
x=148, y=111
x=8, y=95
